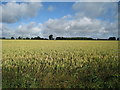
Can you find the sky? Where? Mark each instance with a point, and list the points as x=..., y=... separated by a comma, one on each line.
x=62, y=19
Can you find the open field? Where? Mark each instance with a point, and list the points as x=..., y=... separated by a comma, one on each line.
x=59, y=64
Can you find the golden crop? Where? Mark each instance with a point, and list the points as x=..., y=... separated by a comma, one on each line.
x=57, y=64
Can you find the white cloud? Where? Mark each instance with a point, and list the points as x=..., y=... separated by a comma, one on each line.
x=61, y=0
x=84, y=26
x=51, y=8
x=28, y=30
x=13, y=12
x=21, y=0
x=98, y=0
x=96, y=9
x=79, y=27
x=84, y=23
x=7, y=31
x=0, y=29
x=24, y=30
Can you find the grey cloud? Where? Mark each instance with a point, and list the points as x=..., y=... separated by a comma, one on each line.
x=13, y=12
x=105, y=10
x=62, y=0
x=80, y=27
x=84, y=23
x=64, y=27
x=24, y=30
x=31, y=29
x=6, y=31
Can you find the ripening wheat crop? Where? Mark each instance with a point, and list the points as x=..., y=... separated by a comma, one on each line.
x=60, y=64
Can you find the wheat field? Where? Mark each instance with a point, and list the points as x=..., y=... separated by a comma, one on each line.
x=60, y=64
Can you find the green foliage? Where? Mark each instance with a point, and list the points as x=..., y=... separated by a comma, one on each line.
x=60, y=64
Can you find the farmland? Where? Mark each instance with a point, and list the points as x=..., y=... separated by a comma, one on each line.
x=59, y=64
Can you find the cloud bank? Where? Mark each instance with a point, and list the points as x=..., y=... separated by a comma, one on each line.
x=77, y=27
x=13, y=12
x=107, y=11
x=97, y=20
x=61, y=0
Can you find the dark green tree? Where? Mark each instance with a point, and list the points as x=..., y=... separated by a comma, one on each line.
x=112, y=38
x=51, y=37
x=12, y=38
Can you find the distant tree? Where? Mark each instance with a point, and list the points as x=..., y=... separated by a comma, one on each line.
x=19, y=37
x=23, y=38
x=32, y=38
x=51, y=37
x=73, y=38
x=112, y=38
x=38, y=38
x=101, y=39
x=27, y=38
x=12, y=38
x=3, y=38
x=118, y=39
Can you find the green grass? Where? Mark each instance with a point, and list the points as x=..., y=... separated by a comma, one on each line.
x=60, y=64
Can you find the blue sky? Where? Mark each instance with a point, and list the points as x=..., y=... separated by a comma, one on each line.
x=43, y=14
x=60, y=10
x=97, y=20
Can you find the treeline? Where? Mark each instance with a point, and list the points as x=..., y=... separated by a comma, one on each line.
x=27, y=38
x=59, y=38
x=84, y=38
x=73, y=38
